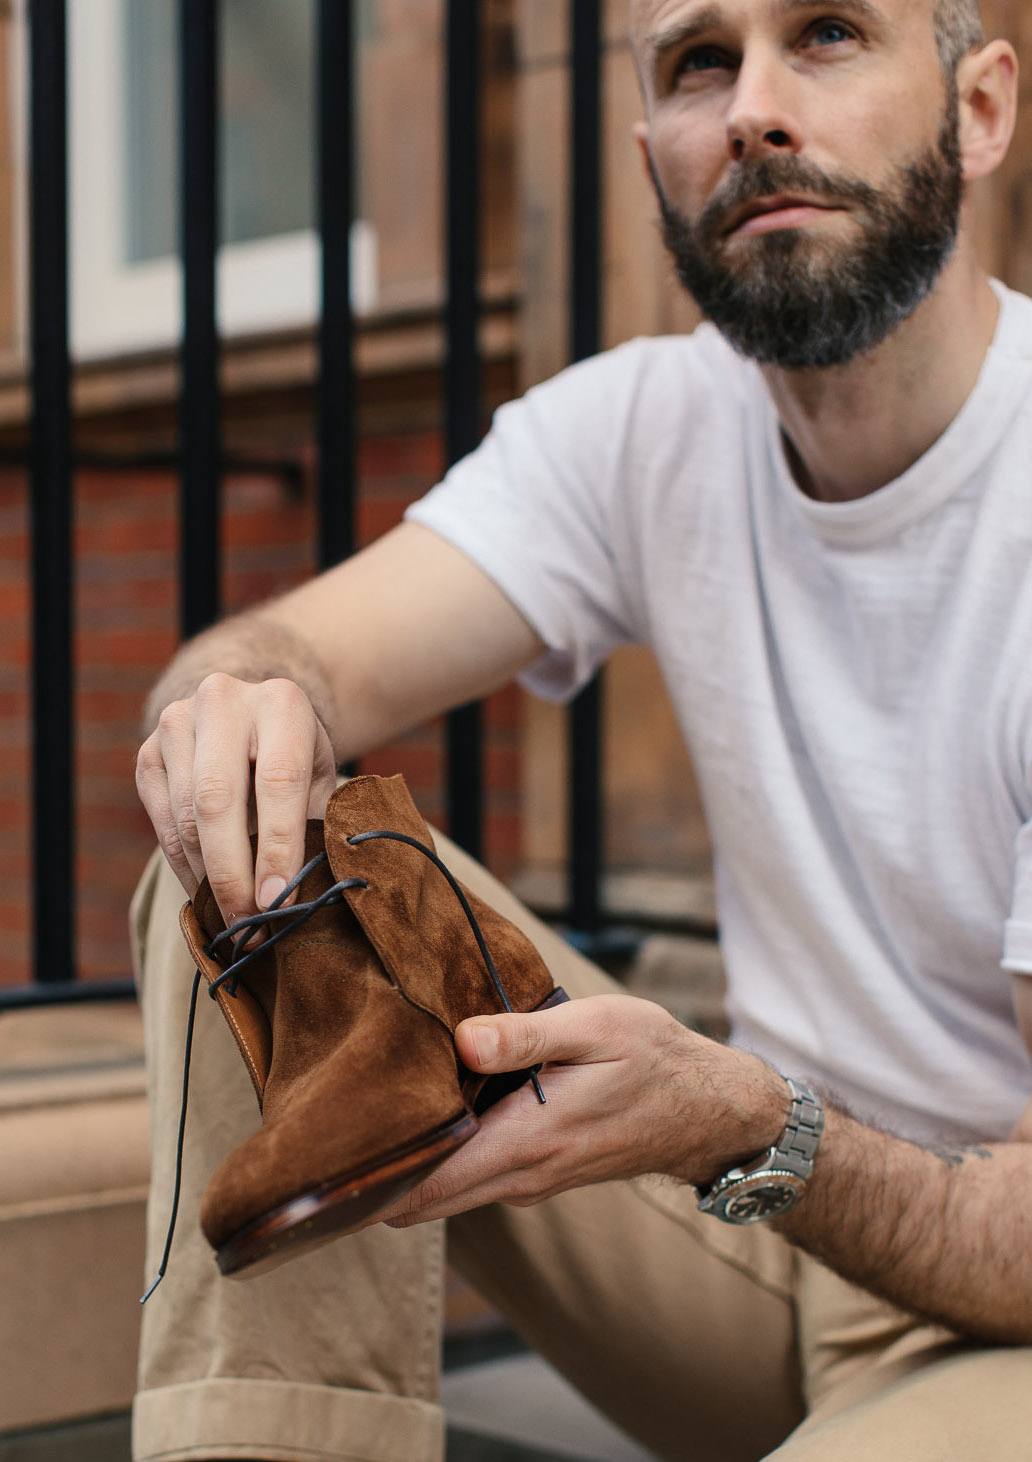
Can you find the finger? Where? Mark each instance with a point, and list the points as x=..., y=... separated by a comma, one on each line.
x=284, y=777
x=579, y=1031
x=324, y=773
x=153, y=788
x=177, y=741
x=221, y=790
x=483, y=1172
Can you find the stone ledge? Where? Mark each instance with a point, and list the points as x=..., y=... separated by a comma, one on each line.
x=74, y=1166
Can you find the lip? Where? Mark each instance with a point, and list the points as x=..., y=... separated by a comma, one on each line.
x=780, y=210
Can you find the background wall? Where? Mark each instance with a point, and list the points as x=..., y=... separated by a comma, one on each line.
x=126, y=528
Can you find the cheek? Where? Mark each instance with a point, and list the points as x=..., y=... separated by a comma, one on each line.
x=690, y=160
x=872, y=135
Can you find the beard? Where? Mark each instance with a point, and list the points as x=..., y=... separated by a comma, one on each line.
x=792, y=300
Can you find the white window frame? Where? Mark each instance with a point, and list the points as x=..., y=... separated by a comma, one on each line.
x=120, y=308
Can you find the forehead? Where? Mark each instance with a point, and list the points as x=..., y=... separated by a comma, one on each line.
x=653, y=20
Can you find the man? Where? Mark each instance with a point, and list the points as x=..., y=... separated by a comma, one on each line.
x=827, y=547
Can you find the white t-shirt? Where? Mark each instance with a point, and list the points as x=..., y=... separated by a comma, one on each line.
x=854, y=682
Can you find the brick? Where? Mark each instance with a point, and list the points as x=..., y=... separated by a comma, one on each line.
x=126, y=535
x=377, y=518
x=153, y=647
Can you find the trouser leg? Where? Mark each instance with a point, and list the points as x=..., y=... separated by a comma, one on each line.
x=681, y=1330
x=332, y=1356
x=881, y=1384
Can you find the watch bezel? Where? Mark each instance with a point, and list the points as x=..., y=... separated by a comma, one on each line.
x=737, y=1185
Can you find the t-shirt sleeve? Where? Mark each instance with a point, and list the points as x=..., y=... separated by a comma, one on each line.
x=1017, y=940
x=541, y=507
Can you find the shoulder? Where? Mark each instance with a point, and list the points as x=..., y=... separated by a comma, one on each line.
x=645, y=390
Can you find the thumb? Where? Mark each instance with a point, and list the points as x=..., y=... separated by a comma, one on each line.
x=513, y=1042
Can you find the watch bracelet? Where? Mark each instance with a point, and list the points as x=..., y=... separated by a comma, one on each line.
x=797, y=1146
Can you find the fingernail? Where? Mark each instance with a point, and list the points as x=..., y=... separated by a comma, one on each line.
x=485, y=1041
x=270, y=889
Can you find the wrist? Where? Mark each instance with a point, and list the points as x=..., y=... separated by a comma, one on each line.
x=774, y=1181
x=742, y=1105
x=757, y=1111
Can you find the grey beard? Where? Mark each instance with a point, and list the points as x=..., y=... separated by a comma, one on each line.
x=799, y=303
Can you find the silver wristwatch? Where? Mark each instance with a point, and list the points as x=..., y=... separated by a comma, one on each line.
x=776, y=1180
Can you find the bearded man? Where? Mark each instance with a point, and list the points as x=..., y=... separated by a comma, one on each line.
x=817, y=512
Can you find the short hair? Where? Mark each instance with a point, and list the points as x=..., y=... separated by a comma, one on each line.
x=958, y=30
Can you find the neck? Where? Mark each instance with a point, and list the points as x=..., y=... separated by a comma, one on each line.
x=851, y=429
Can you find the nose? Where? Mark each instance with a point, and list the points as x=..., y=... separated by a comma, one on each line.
x=762, y=118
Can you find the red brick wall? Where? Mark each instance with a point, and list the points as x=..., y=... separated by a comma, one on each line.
x=126, y=612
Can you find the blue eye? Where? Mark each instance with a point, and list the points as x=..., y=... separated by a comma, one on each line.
x=831, y=33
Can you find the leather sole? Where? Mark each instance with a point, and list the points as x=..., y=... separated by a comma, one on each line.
x=348, y=1202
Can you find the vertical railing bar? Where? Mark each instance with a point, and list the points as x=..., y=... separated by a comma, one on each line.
x=336, y=404
x=585, y=804
x=53, y=852
x=462, y=365
x=199, y=390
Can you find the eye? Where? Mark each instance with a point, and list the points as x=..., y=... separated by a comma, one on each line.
x=831, y=33
x=701, y=59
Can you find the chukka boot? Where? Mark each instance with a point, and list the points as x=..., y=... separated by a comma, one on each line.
x=345, y=1019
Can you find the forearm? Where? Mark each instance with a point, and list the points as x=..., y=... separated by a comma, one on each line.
x=403, y=630
x=945, y=1234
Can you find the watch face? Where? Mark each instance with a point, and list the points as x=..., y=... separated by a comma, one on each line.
x=751, y=1200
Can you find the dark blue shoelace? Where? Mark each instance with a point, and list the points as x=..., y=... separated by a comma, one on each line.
x=239, y=934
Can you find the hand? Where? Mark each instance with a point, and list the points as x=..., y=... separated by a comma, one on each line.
x=233, y=752
x=629, y=1090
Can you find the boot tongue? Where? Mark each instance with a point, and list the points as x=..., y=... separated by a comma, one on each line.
x=411, y=915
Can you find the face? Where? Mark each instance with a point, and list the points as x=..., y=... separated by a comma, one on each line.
x=807, y=166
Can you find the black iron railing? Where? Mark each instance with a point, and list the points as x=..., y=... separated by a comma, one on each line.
x=200, y=457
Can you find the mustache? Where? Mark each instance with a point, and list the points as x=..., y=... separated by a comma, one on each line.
x=761, y=178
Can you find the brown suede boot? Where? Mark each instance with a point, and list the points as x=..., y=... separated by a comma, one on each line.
x=345, y=1018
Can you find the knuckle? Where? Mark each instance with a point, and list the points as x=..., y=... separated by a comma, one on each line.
x=214, y=686
x=143, y=773
x=430, y=1191
x=531, y=1044
x=283, y=686
x=185, y=830
x=226, y=890
x=281, y=775
x=173, y=717
x=212, y=796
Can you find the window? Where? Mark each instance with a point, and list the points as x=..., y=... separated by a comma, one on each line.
x=123, y=134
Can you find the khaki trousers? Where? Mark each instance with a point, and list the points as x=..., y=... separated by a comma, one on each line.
x=706, y=1343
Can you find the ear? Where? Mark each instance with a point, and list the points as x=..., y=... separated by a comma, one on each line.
x=640, y=133
x=988, y=84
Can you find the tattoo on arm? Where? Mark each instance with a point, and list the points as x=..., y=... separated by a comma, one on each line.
x=956, y=1157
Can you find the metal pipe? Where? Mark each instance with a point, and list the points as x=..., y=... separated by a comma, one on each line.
x=200, y=403
x=336, y=389
x=585, y=739
x=462, y=365
x=53, y=790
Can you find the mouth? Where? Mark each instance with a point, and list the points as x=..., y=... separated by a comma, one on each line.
x=781, y=210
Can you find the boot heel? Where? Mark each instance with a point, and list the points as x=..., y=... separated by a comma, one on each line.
x=340, y=1206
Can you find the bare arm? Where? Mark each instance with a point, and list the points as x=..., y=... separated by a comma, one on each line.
x=945, y=1234
x=262, y=707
